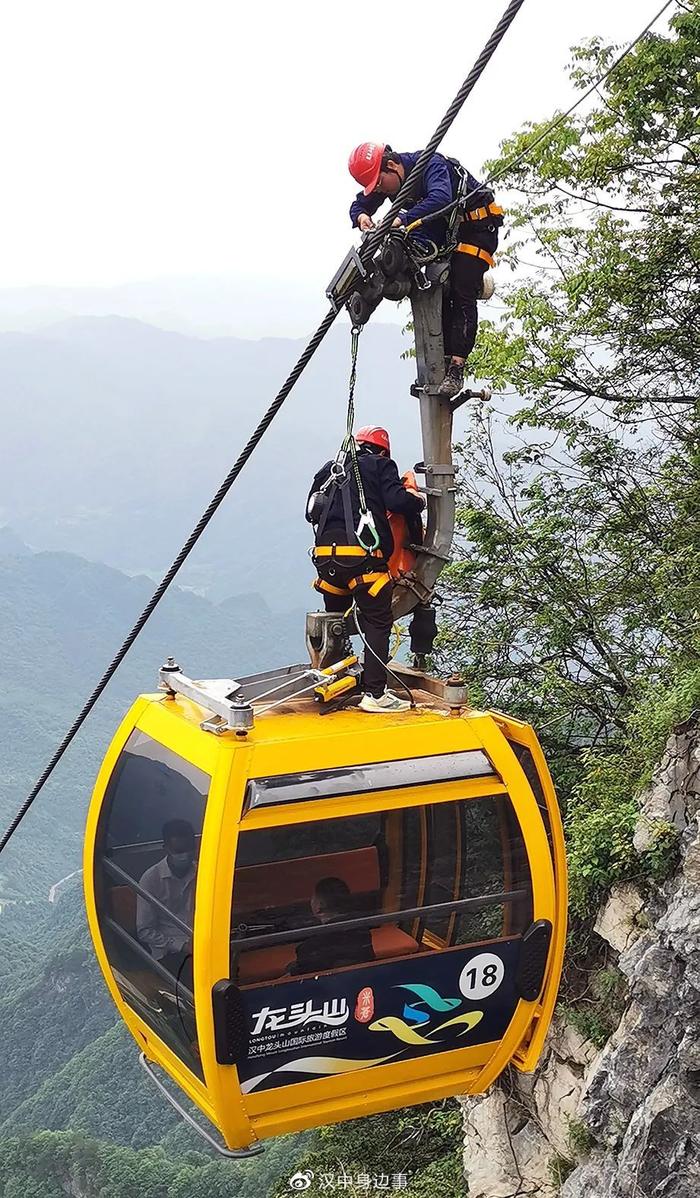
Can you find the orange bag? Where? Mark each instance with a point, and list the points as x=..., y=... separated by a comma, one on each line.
x=401, y=560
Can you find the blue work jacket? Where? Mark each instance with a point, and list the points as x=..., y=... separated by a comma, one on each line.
x=433, y=191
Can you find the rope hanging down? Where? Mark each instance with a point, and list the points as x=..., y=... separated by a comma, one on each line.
x=366, y=531
x=366, y=252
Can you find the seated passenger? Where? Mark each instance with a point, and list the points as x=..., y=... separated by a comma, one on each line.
x=172, y=881
x=330, y=903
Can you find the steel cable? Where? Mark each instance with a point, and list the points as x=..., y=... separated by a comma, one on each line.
x=366, y=251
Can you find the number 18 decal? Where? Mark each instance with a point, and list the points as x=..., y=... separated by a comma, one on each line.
x=481, y=976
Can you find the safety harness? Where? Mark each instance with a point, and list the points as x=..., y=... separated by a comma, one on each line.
x=363, y=540
x=463, y=247
x=469, y=204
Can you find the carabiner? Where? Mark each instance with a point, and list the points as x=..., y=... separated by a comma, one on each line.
x=366, y=521
x=336, y=474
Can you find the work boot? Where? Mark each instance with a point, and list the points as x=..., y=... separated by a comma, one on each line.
x=386, y=703
x=453, y=381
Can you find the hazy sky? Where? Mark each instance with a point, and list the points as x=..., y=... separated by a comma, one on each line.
x=151, y=138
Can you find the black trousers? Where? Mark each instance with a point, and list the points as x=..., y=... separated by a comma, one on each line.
x=375, y=620
x=460, y=317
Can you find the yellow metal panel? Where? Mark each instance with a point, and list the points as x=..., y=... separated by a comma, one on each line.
x=212, y=936
x=525, y=735
x=293, y=1108
x=175, y=723
x=286, y=743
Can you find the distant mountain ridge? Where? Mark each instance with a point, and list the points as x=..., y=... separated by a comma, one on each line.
x=62, y=619
x=69, y=1069
x=116, y=434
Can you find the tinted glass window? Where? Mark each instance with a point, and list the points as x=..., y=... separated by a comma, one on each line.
x=378, y=775
x=416, y=880
x=145, y=877
x=527, y=761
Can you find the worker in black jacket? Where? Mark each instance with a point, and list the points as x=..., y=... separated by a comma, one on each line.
x=381, y=171
x=348, y=571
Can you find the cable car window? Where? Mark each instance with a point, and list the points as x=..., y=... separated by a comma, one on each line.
x=267, y=847
x=145, y=878
x=527, y=762
x=363, y=889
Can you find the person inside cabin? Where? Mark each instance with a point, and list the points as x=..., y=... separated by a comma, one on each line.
x=381, y=172
x=331, y=902
x=346, y=571
x=172, y=881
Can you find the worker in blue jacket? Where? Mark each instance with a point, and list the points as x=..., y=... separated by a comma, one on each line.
x=382, y=171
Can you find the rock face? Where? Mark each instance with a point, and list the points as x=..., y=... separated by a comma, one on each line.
x=623, y=1122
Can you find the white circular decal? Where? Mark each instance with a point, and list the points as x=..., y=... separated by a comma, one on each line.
x=481, y=976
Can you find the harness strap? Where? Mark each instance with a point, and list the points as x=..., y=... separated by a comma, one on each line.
x=378, y=581
x=345, y=551
x=347, y=510
x=321, y=585
x=476, y=252
x=482, y=213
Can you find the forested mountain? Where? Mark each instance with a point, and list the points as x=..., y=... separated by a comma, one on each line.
x=65, y=1065
x=62, y=619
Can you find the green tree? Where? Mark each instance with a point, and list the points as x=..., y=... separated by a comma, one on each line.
x=574, y=597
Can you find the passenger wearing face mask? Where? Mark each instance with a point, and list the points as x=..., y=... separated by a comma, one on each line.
x=172, y=881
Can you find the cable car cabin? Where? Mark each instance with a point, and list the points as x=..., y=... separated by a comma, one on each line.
x=351, y=915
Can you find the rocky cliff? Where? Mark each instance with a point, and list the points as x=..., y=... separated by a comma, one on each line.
x=621, y=1121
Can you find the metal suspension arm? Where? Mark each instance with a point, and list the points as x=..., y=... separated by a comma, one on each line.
x=436, y=415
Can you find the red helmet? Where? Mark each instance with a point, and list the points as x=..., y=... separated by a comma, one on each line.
x=365, y=164
x=372, y=434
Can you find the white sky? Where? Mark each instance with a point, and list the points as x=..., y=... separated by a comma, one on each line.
x=150, y=138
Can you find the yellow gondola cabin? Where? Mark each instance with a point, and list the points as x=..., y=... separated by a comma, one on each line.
x=440, y=829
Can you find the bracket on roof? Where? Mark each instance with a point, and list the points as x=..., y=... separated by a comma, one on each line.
x=234, y=703
x=223, y=697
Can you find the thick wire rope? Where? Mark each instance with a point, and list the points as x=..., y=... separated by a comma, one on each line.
x=553, y=125
x=465, y=90
x=366, y=252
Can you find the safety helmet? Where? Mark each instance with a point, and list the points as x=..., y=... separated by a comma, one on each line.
x=372, y=434
x=365, y=164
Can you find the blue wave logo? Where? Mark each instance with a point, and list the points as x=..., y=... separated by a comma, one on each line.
x=431, y=998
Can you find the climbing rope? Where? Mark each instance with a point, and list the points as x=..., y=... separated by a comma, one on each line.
x=366, y=531
x=338, y=473
x=348, y=448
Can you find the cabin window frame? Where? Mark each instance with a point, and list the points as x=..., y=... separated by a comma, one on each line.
x=200, y=780
x=417, y=798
